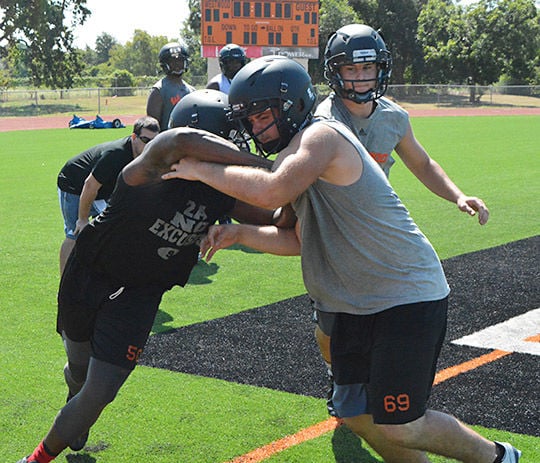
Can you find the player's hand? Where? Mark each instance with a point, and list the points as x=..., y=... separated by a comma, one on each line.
x=79, y=226
x=186, y=169
x=218, y=237
x=472, y=205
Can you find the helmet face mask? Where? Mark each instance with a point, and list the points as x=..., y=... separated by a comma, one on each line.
x=357, y=44
x=174, y=58
x=278, y=83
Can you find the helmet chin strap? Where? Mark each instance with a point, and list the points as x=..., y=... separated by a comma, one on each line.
x=272, y=146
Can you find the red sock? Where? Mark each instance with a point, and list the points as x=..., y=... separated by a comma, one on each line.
x=41, y=455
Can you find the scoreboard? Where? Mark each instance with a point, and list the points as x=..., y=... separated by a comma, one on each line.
x=261, y=27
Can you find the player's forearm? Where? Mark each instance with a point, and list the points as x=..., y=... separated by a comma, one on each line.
x=251, y=185
x=269, y=239
x=208, y=147
x=437, y=181
x=88, y=196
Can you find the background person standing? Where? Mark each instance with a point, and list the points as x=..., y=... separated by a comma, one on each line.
x=87, y=180
x=232, y=58
x=169, y=90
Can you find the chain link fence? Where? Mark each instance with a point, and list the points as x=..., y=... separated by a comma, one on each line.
x=132, y=100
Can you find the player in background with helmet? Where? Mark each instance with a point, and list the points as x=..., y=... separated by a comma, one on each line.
x=232, y=58
x=145, y=242
x=358, y=66
x=87, y=180
x=168, y=91
x=365, y=263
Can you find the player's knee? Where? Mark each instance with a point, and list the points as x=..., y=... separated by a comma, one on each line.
x=100, y=395
x=402, y=435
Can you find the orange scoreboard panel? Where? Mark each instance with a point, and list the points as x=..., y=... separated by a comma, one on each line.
x=261, y=27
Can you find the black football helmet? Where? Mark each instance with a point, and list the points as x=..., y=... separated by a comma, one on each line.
x=208, y=110
x=203, y=109
x=231, y=59
x=273, y=82
x=174, y=58
x=352, y=44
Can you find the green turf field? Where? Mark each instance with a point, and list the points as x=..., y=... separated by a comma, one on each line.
x=164, y=416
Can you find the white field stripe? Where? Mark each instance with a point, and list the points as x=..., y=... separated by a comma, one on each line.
x=509, y=336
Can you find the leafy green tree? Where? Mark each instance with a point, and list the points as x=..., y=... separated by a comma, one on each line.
x=121, y=81
x=191, y=34
x=47, y=37
x=140, y=55
x=397, y=22
x=104, y=44
x=333, y=14
x=479, y=43
x=516, y=30
x=440, y=26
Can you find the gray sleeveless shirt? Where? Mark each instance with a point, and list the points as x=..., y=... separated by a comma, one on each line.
x=171, y=92
x=361, y=251
x=379, y=133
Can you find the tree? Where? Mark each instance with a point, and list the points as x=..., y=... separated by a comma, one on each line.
x=516, y=29
x=40, y=30
x=396, y=20
x=333, y=15
x=479, y=43
x=191, y=34
x=140, y=55
x=104, y=44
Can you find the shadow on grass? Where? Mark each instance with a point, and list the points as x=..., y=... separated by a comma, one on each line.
x=348, y=448
x=201, y=272
x=160, y=322
x=80, y=458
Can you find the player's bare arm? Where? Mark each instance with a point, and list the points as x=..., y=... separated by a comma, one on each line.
x=88, y=195
x=154, y=105
x=433, y=176
x=316, y=152
x=174, y=144
x=269, y=239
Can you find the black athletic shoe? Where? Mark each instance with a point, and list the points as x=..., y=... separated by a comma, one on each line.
x=329, y=393
x=80, y=442
x=25, y=460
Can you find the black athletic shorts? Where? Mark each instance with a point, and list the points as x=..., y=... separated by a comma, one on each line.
x=392, y=355
x=115, y=319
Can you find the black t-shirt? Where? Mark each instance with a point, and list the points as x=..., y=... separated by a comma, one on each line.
x=104, y=162
x=149, y=235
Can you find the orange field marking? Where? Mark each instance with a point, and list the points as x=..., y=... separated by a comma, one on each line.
x=262, y=453
x=277, y=446
x=450, y=372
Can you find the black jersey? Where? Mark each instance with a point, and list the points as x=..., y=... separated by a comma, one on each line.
x=150, y=234
x=104, y=162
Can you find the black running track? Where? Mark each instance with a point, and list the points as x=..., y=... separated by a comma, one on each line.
x=273, y=346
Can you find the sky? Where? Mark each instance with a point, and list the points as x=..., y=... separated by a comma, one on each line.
x=120, y=19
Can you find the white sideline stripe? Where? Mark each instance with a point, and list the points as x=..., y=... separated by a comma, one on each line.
x=508, y=336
